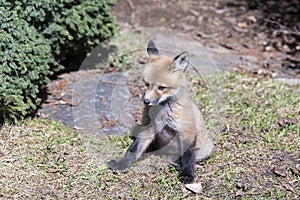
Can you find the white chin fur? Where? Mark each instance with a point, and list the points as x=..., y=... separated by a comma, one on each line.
x=161, y=100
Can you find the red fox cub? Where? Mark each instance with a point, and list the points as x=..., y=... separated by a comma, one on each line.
x=172, y=124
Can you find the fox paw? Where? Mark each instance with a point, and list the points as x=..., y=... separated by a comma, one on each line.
x=186, y=179
x=117, y=165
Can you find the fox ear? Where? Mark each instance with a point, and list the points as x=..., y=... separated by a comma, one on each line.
x=152, y=49
x=180, y=62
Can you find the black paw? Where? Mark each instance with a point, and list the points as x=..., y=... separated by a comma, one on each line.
x=117, y=164
x=186, y=179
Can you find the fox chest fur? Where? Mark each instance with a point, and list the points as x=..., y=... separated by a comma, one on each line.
x=163, y=116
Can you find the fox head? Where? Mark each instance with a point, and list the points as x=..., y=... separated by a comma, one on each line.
x=164, y=76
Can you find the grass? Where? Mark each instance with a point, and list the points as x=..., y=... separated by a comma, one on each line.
x=254, y=158
x=253, y=143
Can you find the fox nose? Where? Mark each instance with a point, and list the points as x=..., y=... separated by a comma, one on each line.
x=146, y=101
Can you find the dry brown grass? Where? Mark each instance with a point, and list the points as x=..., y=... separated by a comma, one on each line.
x=255, y=158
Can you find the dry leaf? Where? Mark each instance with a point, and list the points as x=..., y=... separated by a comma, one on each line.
x=83, y=153
x=68, y=101
x=194, y=187
x=102, y=98
x=242, y=25
x=296, y=169
x=61, y=84
x=109, y=122
x=53, y=170
x=289, y=188
x=243, y=185
x=240, y=193
x=252, y=18
x=280, y=170
x=287, y=121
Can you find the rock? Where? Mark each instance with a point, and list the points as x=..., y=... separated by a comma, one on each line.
x=289, y=81
x=91, y=101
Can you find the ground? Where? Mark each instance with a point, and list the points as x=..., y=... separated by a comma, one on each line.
x=256, y=123
x=256, y=155
x=268, y=30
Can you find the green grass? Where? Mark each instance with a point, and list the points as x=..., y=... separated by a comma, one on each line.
x=44, y=159
x=253, y=143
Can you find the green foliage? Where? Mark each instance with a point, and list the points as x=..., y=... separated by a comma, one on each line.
x=37, y=35
x=121, y=62
x=25, y=60
x=73, y=27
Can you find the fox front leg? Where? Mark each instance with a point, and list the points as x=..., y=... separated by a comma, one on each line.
x=130, y=157
x=134, y=152
x=187, y=166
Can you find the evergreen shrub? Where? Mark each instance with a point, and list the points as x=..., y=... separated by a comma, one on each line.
x=36, y=36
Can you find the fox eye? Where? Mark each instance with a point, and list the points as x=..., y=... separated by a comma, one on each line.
x=147, y=84
x=161, y=87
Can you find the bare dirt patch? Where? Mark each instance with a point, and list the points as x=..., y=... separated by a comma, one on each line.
x=268, y=30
